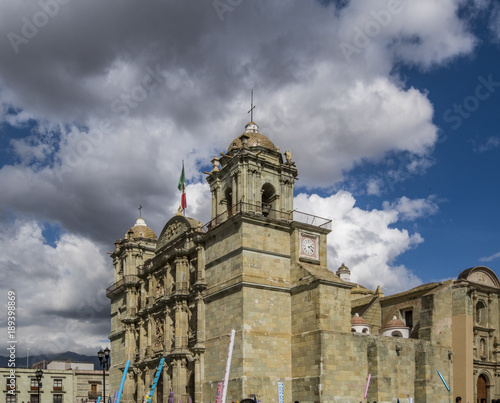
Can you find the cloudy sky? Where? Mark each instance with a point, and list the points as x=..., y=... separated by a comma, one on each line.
x=390, y=109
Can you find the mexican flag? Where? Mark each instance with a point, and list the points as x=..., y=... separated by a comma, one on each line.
x=182, y=188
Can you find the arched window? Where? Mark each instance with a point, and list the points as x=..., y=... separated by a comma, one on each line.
x=229, y=200
x=397, y=333
x=268, y=197
x=481, y=312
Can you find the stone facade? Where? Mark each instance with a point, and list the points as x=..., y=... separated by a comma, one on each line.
x=259, y=267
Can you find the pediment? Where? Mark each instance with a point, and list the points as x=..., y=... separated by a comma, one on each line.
x=174, y=229
x=480, y=275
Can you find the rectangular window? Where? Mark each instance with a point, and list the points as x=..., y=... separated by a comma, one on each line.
x=58, y=399
x=57, y=384
x=34, y=384
x=33, y=398
x=408, y=318
x=11, y=384
x=11, y=398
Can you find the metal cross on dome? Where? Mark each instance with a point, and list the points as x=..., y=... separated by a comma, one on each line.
x=252, y=107
x=140, y=212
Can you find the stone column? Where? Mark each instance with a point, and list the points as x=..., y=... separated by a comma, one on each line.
x=198, y=378
x=181, y=274
x=177, y=324
x=140, y=385
x=129, y=388
x=147, y=381
x=242, y=184
x=167, y=332
x=149, y=335
x=179, y=380
x=236, y=191
x=200, y=325
x=215, y=201
x=281, y=195
x=184, y=324
x=142, y=339
x=200, y=276
x=129, y=343
x=167, y=386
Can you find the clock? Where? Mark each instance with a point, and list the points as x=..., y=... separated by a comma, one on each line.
x=308, y=246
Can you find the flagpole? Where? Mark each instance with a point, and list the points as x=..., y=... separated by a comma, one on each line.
x=183, y=190
x=182, y=187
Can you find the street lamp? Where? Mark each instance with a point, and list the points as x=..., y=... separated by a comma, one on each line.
x=38, y=374
x=104, y=361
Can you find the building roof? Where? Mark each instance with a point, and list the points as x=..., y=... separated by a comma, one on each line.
x=255, y=139
x=394, y=323
x=358, y=320
x=141, y=230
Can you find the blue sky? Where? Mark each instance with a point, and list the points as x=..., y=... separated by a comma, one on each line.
x=389, y=108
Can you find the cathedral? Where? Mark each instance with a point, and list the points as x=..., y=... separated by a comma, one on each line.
x=303, y=332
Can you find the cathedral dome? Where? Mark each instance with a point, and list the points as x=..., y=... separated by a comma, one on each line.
x=394, y=322
x=357, y=320
x=141, y=230
x=255, y=138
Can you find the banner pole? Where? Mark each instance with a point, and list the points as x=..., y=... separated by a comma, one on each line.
x=228, y=365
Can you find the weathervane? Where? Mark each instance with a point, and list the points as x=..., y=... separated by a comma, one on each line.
x=252, y=107
x=140, y=212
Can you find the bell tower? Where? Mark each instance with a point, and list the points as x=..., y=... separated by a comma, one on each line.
x=252, y=177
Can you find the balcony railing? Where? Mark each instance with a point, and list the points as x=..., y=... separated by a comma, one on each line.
x=265, y=210
x=126, y=280
x=312, y=220
x=94, y=395
x=261, y=209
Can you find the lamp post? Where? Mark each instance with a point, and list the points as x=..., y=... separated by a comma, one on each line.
x=38, y=374
x=104, y=361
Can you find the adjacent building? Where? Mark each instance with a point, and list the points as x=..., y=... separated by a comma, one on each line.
x=260, y=267
x=62, y=382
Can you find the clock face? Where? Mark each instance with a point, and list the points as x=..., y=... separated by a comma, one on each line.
x=308, y=246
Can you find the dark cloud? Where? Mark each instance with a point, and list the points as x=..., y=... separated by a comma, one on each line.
x=117, y=93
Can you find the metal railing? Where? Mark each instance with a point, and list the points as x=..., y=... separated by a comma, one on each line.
x=261, y=209
x=265, y=210
x=312, y=220
x=128, y=279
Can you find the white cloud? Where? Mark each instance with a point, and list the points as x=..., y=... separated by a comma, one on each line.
x=490, y=258
x=410, y=210
x=364, y=241
x=114, y=109
x=490, y=143
x=62, y=285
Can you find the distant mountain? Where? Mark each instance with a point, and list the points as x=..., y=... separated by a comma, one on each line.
x=68, y=355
